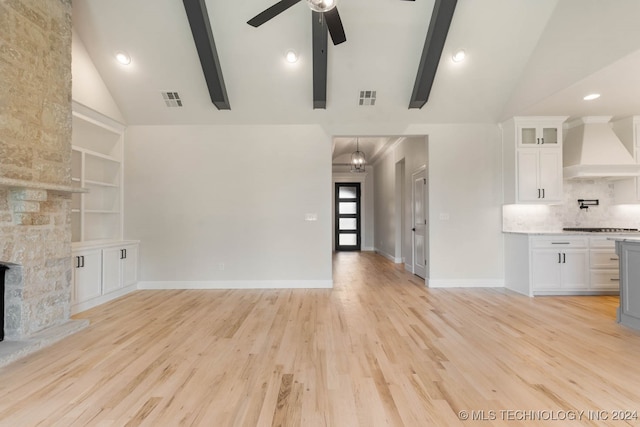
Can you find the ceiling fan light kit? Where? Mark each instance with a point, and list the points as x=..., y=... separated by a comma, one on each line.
x=321, y=5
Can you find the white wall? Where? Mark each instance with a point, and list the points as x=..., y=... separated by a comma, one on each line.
x=198, y=197
x=87, y=86
x=413, y=151
x=465, y=184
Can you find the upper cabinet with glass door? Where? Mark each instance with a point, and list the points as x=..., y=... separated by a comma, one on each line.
x=539, y=132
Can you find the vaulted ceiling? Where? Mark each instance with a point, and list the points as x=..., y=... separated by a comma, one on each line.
x=523, y=57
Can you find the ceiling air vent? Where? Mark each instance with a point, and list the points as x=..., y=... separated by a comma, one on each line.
x=172, y=99
x=367, y=97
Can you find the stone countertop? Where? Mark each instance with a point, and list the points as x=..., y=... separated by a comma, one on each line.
x=612, y=235
x=625, y=239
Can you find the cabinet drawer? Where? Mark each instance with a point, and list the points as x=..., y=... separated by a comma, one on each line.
x=602, y=258
x=559, y=242
x=605, y=279
x=602, y=242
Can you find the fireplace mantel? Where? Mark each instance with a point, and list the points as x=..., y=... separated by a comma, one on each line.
x=31, y=185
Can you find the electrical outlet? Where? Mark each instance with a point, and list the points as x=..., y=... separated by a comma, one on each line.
x=221, y=266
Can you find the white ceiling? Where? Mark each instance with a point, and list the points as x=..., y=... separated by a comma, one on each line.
x=524, y=57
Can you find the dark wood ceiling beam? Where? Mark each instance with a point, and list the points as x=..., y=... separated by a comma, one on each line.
x=319, y=40
x=432, y=51
x=206, y=46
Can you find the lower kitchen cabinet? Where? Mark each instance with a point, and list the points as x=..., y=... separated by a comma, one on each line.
x=559, y=265
x=538, y=264
x=103, y=272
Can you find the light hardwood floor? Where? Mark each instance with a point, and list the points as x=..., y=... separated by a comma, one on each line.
x=379, y=349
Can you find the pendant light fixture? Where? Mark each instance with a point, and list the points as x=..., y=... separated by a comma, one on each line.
x=358, y=160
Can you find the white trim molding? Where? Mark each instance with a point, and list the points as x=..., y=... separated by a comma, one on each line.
x=237, y=284
x=389, y=257
x=466, y=283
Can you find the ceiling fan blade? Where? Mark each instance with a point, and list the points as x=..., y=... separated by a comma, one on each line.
x=272, y=12
x=334, y=24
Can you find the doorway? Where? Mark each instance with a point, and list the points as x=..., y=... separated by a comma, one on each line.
x=419, y=228
x=347, y=216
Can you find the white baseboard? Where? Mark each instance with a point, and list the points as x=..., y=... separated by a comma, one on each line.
x=86, y=305
x=465, y=283
x=408, y=267
x=389, y=257
x=368, y=249
x=237, y=284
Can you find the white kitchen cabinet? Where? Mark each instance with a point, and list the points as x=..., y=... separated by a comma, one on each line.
x=112, y=272
x=87, y=275
x=539, y=175
x=604, y=265
x=539, y=132
x=532, y=160
x=559, y=265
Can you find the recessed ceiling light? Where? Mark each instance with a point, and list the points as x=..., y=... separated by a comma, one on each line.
x=291, y=56
x=123, y=58
x=591, y=97
x=458, y=56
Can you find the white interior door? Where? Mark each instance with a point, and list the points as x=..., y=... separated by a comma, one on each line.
x=419, y=224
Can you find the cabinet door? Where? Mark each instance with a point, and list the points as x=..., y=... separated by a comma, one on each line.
x=528, y=190
x=549, y=136
x=88, y=275
x=112, y=269
x=130, y=265
x=528, y=135
x=575, y=269
x=550, y=173
x=546, y=269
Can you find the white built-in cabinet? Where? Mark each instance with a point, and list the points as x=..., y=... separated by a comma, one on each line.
x=104, y=265
x=87, y=276
x=628, y=130
x=102, y=272
x=532, y=156
x=560, y=264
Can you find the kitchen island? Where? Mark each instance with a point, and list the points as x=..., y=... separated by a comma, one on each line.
x=628, y=250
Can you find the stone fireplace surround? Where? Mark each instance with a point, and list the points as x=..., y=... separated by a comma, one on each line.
x=35, y=244
x=35, y=172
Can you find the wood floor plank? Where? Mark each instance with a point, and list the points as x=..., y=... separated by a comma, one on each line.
x=379, y=349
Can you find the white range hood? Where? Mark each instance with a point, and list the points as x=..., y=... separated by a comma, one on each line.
x=591, y=149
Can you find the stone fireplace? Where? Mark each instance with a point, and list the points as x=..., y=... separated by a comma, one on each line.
x=35, y=162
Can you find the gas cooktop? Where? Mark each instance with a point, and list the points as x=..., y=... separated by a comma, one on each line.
x=602, y=230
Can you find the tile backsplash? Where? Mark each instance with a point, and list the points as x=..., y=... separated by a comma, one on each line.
x=552, y=218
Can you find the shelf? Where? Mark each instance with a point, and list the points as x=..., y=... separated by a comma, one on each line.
x=96, y=154
x=100, y=183
x=75, y=179
x=75, y=210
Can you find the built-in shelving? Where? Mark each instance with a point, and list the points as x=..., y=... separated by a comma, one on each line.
x=96, y=165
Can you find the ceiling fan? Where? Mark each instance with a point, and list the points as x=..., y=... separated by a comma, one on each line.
x=327, y=8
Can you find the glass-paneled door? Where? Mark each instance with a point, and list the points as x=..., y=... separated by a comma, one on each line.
x=347, y=220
